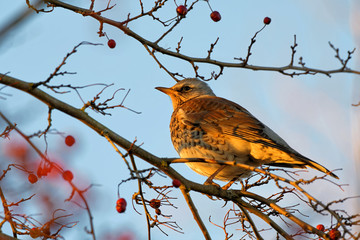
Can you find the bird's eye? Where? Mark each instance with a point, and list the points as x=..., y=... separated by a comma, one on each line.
x=185, y=89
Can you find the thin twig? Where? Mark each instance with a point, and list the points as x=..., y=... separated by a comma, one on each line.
x=7, y=212
x=293, y=51
x=252, y=224
x=161, y=65
x=195, y=213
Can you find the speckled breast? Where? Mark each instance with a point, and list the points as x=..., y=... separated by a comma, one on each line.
x=190, y=141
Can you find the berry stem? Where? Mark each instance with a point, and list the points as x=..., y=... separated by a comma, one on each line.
x=106, y=36
x=209, y=5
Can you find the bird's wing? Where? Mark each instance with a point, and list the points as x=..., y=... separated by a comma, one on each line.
x=229, y=118
x=221, y=116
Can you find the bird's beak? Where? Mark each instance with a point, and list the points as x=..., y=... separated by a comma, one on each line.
x=168, y=91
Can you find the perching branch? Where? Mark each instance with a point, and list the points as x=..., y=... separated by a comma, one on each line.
x=236, y=196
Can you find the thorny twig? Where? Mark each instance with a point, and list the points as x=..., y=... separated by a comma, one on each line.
x=179, y=45
x=157, y=5
x=212, y=48
x=343, y=62
x=57, y=69
x=101, y=107
x=253, y=40
x=7, y=131
x=293, y=51
x=152, y=53
x=36, y=5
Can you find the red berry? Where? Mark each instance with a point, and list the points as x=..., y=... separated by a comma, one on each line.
x=176, y=183
x=320, y=227
x=181, y=10
x=32, y=178
x=68, y=175
x=155, y=203
x=121, y=201
x=334, y=234
x=267, y=20
x=35, y=232
x=215, y=16
x=69, y=140
x=121, y=205
x=111, y=43
x=158, y=211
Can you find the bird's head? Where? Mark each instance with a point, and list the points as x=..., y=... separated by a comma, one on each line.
x=186, y=89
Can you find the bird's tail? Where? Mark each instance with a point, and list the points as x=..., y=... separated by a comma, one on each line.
x=302, y=162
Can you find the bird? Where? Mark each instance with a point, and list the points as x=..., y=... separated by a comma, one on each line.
x=205, y=126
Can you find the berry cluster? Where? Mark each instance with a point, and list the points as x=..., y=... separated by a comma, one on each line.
x=334, y=234
x=154, y=203
x=43, y=170
x=45, y=167
x=181, y=10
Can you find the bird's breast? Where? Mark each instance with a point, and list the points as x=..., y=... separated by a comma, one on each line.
x=191, y=141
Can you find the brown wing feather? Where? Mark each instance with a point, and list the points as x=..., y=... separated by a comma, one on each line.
x=232, y=119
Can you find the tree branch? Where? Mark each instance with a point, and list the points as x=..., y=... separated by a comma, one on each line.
x=176, y=54
x=164, y=165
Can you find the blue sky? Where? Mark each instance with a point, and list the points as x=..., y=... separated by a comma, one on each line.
x=312, y=113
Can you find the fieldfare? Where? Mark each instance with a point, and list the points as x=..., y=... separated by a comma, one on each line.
x=209, y=127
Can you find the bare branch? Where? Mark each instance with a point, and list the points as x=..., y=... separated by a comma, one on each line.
x=298, y=70
x=212, y=48
x=152, y=53
x=293, y=51
x=57, y=69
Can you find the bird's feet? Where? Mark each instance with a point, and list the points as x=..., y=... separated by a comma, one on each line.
x=210, y=181
x=228, y=185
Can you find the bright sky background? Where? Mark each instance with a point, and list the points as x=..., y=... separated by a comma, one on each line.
x=312, y=113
